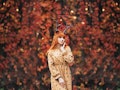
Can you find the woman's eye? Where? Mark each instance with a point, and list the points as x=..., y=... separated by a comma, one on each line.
x=61, y=37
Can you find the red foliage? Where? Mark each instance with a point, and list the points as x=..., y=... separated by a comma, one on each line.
x=28, y=34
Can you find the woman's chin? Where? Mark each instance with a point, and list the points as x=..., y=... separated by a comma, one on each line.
x=61, y=43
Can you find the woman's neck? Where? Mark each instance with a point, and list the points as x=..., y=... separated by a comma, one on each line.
x=58, y=46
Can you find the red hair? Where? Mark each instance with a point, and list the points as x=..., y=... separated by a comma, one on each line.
x=55, y=39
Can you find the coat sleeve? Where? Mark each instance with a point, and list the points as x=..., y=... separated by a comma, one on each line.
x=68, y=56
x=54, y=72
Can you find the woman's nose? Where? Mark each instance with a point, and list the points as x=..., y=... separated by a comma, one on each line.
x=63, y=39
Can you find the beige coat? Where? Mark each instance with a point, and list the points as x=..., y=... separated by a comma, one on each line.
x=58, y=66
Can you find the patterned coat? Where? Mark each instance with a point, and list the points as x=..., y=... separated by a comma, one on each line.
x=58, y=66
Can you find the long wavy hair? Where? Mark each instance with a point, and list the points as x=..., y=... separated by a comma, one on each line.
x=55, y=39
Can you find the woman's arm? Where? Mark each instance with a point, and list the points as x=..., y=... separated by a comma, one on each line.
x=54, y=72
x=68, y=56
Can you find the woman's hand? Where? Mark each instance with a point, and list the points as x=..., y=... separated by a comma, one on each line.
x=62, y=48
x=71, y=64
x=61, y=82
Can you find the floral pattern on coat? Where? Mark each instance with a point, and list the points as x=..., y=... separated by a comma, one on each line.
x=58, y=63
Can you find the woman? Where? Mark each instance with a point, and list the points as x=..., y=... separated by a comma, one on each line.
x=59, y=58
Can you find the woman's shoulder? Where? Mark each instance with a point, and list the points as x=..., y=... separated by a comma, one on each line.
x=50, y=51
x=67, y=47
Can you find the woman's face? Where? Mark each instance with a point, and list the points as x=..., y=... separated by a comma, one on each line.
x=61, y=40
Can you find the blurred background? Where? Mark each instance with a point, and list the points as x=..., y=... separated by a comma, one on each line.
x=93, y=33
